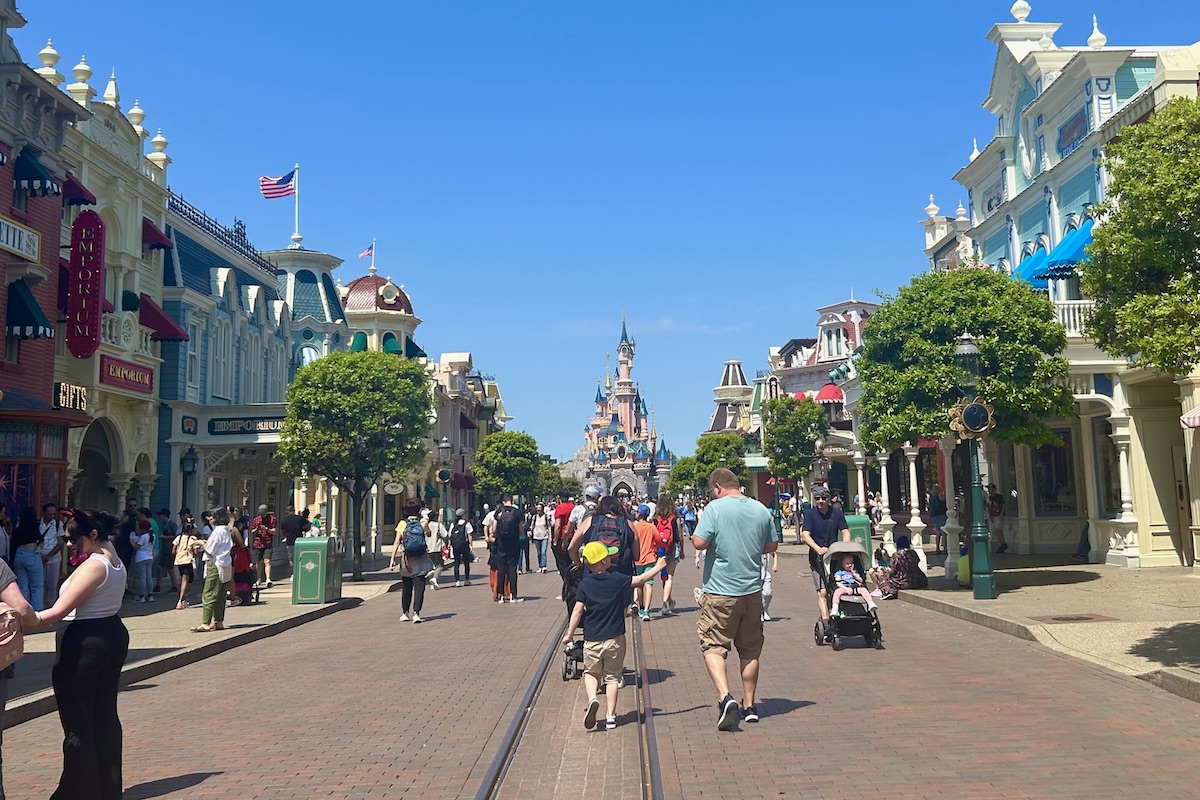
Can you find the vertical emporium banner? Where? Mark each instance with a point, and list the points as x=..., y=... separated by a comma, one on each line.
x=85, y=285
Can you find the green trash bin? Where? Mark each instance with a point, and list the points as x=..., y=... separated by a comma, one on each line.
x=318, y=574
x=860, y=531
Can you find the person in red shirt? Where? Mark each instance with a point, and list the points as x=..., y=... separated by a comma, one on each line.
x=262, y=528
x=559, y=537
x=647, y=555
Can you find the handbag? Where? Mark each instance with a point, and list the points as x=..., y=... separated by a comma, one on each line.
x=445, y=552
x=12, y=639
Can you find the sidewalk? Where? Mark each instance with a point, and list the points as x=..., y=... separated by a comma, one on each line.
x=1144, y=623
x=160, y=638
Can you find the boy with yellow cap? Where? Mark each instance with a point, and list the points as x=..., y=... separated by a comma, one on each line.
x=600, y=602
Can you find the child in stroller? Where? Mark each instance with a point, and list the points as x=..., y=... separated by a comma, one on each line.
x=854, y=614
x=849, y=582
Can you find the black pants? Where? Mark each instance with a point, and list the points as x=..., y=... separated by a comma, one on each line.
x=506, y=573
x=462, y=555
x=86, y=675
x=413, y=594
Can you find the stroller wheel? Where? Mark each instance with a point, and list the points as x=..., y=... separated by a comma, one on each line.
x=818, y=633
x=837, y=643
x=878, y=642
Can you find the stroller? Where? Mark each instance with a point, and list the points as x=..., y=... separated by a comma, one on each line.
x=243, y=576
x=857, y=620
x=572, y=663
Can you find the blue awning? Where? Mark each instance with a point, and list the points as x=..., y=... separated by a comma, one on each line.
x=1028, y=269
x=1070, y=251
x=26, y=320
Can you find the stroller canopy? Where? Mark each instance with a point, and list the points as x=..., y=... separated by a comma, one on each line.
x=839, y=548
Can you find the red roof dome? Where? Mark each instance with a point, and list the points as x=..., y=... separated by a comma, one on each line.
x=831, y=393
x=371, y=291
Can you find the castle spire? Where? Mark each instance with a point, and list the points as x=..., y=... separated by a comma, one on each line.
x=624, y=332
x=653, y=425
x=607, y=372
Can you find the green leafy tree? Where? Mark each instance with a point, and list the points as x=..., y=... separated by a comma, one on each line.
x=573, y=485
x=508, y=461
x=683, y=475
x=791, y=429
x=352, y=417
x=1144, y=268
x=907, y=363
x=550, y=480
x=711, y=449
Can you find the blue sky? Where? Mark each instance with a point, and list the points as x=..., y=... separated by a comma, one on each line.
x=715, y=169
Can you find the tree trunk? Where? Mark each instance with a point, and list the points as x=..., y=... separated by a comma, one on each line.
x=356, y=500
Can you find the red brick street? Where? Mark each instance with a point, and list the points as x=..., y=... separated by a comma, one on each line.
x=358, y=705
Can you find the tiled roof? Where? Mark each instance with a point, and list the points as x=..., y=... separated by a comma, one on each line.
x=196, y=262
x=363, y=295
x=306, y=300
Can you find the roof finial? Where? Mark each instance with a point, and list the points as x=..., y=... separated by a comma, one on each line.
x=960, y=212
x=1020, y=10
x=932, y=209
x=607, y=373
x=371, y=269
x=1097, y=40
x=653, y=425
x=112, y=97
x=1046, y=43
x=974, y=148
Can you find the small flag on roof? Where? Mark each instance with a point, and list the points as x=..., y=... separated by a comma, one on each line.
x=272, y=188
x=370, y=251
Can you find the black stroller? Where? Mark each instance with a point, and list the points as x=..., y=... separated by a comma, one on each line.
x=572, y=663
x=856, y=618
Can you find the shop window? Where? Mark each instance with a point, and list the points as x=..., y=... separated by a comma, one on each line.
x=18, y=440
x=193, y=355
x=52, y=487
x=54, y=442
x=16, y=487
x=12, y=349
x=1108, y=473
x=20, y=200
x=1054, y=487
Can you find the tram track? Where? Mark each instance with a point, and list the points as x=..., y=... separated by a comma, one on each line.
x=650, y=779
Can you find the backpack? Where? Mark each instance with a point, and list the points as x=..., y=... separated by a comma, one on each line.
x=665, y=538
x=614, y=533
x=458, y=536
x=414, y=539
x=508, y=524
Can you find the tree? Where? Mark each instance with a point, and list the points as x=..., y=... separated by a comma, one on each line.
x=711, y=449
x=352, y=417
x=907, y=363
x=1144, y=268
x=573, y=485
x=550, y=480
x=508, y=461
x=791, y=429
x=682, y=476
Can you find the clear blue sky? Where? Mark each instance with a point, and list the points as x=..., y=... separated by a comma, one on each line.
x=717, y=169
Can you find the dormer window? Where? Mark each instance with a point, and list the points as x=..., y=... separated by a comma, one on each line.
x=833, y=342
x=389, y=293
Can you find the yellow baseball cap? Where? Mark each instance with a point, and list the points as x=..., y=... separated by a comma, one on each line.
x=594, y=552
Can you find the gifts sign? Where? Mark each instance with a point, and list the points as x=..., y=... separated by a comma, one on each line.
x=85, y=285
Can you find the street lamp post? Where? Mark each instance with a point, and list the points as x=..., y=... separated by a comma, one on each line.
x=444, y=449
x=971, y=420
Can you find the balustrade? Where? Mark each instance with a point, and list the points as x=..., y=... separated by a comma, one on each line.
x=1073, y=315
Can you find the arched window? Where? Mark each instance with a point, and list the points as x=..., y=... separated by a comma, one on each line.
x=221, y=378
x=308, y=354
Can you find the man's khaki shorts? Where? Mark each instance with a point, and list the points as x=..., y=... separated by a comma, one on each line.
x=727, y=622
x=604, y=660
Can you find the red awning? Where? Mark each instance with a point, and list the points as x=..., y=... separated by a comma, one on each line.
x=152, y=316
x=75, y=193
x=459, y=481
x=1191, y=419
x=153, y=238
x=106, y=307
x=831, y=393
x=466, y=423
x=471, y=480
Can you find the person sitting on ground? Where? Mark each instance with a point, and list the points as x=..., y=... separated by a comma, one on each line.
x=600, y=602
x=849, y=582
x=903, y=571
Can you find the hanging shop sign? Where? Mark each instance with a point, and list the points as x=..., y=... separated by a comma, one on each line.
x=189, y=425
x=230, y=426
x=85, y=285
x=125, y=375
x=70, y=397
x=18, y=239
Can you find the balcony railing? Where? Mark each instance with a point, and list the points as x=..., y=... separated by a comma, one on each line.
x=234, y=238
x=122, y=330
x=1073, y=315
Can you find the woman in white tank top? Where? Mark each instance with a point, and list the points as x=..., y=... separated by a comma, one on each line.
x=87, y=669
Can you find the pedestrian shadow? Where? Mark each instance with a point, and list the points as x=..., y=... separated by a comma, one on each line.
x=779, y=706
x=446, y=615
x=658, y=712
x=1174, y=646
x=160, y=787
x=138, y=687
x=655, y=675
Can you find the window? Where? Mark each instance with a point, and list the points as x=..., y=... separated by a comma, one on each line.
x=1054, y=478
x=221, y=378
x=20, y=199
x=1108, y=473
x=12, y=349
x=193, y=354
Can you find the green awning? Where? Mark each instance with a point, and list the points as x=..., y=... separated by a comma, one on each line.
x=359, y=343
x=430, y=492
x=31, y=176
x=390, y=345
x=26, y=320
x=412, y=350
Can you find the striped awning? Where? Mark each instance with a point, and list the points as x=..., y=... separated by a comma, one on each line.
x=26, y=320
x=1191, y=419
x=30, y=176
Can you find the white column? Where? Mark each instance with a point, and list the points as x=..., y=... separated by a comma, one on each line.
x=886, y=523
x=860, y=464
x=376, y=515
x=916, y=527
x=953, y=527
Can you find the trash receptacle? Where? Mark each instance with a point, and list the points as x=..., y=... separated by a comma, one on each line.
x=860, y=531
x=318, y=574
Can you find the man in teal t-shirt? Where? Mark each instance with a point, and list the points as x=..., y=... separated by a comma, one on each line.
x=734, y=532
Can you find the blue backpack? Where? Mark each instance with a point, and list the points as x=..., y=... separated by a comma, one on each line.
x=414, y=539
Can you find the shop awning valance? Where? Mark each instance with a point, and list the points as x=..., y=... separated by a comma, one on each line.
x=411, y=350
x=466, y=423
x=430, y=492
x=75, y=193
x=390, y=345
x=26, y=320
x=153, y=238
x=30, y=176
x=358, y=343
x=3, y=158
x=1028, y=270
x=1191, y=419
x=458, y=481
x=152, y=316
x=1069, y=253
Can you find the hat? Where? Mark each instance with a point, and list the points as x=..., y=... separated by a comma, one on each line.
x=902, y=541
x=595, y=552
x=644, y=510
x=462, y=512
x=820, y=491
x=593, y=493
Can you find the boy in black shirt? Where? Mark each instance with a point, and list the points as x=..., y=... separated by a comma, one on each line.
x=600, y=602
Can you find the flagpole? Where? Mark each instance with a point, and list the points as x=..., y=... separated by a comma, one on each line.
x=372, y=254
x=296, y=237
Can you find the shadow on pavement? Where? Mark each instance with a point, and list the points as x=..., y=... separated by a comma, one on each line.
x=658, y=712
x=1176, y=646
x=446, y=615
x=1012, y=580
x=778, y=706
x=33, y=670
x=144, y=791
x=656, y=675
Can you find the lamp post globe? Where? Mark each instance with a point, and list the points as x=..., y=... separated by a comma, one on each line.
x=967, y=366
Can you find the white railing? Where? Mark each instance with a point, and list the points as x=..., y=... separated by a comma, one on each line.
x=122, y=330
x=1073, y=315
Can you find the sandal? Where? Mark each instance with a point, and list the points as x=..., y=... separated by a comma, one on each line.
x=203, y=629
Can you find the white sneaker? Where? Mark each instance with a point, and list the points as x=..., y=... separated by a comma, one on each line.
x=516, y=599
x=435, y=585
x=766, y=617
x=457, y=584
x=404, y=617
x=417, y=618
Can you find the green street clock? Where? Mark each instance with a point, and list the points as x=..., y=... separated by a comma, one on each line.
x=971, y=419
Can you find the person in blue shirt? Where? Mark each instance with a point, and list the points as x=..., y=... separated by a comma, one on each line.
x=733, y=533
x=822, y=526
x=600, y=603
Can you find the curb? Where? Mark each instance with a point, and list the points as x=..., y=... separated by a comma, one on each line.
x=40, y=703
x=1176, y=681
x=1027, y=632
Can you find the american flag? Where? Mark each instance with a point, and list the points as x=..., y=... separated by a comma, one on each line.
x=272, y=188
x=370, y=251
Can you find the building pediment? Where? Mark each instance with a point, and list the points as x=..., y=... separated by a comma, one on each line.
x=113, y=133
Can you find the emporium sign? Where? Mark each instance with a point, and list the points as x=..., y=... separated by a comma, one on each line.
x=231, y=426
x=85, y=287
x=123, y=374
x=20, y=240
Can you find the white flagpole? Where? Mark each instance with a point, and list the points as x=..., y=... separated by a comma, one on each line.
x=372, y=254
x=296, y=238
